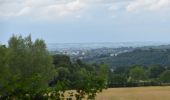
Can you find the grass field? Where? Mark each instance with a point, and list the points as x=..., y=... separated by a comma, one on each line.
x=139, y=93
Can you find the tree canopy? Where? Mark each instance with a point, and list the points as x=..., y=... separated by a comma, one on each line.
x=29, y=71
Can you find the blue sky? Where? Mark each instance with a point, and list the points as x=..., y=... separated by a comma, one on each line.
x=77, y=21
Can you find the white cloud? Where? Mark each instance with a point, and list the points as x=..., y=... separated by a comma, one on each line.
x=40, y=8
x=148, y=5
x=161, y=4
x=24, y=11
x=57, y=9
x=63, y=10
x=50, y=9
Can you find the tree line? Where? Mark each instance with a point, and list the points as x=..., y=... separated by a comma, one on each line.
x=137, y=75
x=28, y=71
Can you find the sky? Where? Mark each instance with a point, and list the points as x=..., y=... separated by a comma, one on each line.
x=81, y=21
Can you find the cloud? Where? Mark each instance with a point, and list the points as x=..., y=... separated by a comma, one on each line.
x=40, y=8
x=50, y=9
x=148, y=5
x=24, y=11
x=61, y=9
x=68, y=9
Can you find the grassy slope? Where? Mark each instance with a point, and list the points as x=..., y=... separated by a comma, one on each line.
x=139, y=93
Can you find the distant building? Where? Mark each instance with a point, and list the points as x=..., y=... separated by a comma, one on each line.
x=113, y=55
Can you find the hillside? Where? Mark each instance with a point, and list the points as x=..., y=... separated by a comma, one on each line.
x=144, y=57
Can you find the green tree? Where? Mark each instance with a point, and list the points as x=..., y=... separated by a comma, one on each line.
x=137, y=74
x=30, y=66
x=165, y=77
x=90, y=79
x=4, y=70
x=86, y=79
x=155, y=71
x=118, y=79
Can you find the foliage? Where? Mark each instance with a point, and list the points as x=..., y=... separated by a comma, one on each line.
x=165, y=76
x=26, y=68
x=155, y=71
x=143, y=57
x=28, y=71
x=118, y=79
x=84, y=78
x=137, y=74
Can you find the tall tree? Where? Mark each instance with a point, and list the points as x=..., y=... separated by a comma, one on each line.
x=4, y=70
x=30, y=66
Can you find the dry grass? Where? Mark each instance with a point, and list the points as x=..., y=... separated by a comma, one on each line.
x=139, y=93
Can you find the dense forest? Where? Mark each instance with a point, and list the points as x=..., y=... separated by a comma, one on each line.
x=28, y=71
x=139, y=56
